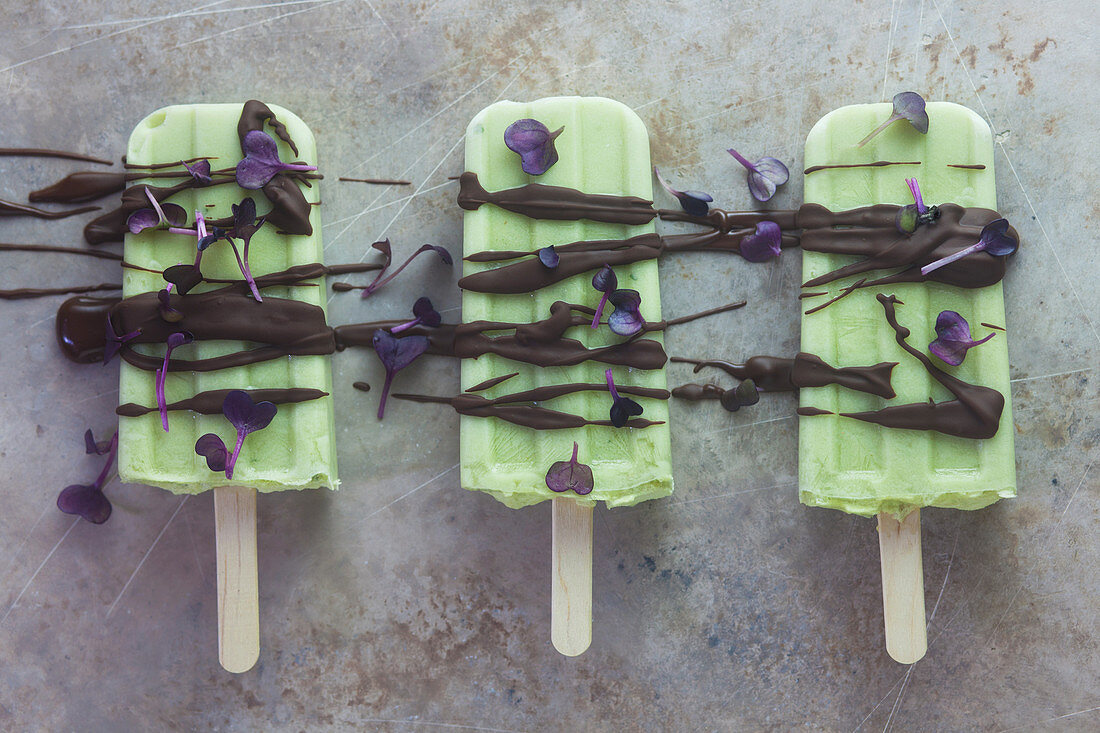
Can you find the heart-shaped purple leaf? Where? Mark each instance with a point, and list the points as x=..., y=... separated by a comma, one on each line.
x=953, y=338
x=626, y=319
x=211, y=447
x=764, y=244
x=244, y=414
x=571, y=475
x=534, y=143
x=88, y=502
x=549, y=258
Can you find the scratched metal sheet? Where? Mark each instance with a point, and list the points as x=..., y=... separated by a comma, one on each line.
x=405, y=603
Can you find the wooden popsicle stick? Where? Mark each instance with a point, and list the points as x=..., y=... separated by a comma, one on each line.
x=902, y=586
x=238, y=595
x=571, y=569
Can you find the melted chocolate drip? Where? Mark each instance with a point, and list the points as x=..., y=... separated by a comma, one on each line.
x=876, y=164
x=81, y=328
x=490, y=383
x=27, y=293
x=539, y=201
x=10, y=208
x=253, y=116
x=812, y=411
x=698, y=392
x=111, y=227
x=776, y=374
x=969, y=167
x=43, y=153
x=535, y=416
x=84, y=186
x=974, y=413
x=210, y=402
x=82, y=251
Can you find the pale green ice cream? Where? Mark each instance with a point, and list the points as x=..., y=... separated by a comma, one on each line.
x=863, y=468
x=298, y=449
x=604, y=149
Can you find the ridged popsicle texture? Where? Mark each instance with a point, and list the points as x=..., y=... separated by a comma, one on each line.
x=604, y=149
x=863, y=468
x=298, y=449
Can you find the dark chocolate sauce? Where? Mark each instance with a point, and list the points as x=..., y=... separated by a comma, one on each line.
x=27, y=293
x=376, y=181
x=81, y=328
x=43, y=153
x=533, y=415
x=974, y=413
x=698, y=392
x=969, y=167
x=253, y=116
x=210, y=402
x=10, y=208
x=82, y=251
x=995, y=328
x=491, y=382
x=84, y=186
x=777, y=374
x=539, y=201
x=812, y=411
x=876, y=164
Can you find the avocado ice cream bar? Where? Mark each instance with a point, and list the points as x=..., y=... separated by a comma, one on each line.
x=867, y=455
x=275, y=346
x=297, y=449
x=603, y=149
x=864, y=467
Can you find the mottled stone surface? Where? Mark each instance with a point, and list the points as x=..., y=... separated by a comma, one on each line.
x=404, y=603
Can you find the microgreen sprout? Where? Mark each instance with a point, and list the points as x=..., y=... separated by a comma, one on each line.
x=622, y=408
x=696, y=203
x=177, y=339
x=261, y=161
x=200, y=170
x=549, y=258
x=913, y=215
x=164, y=305
x=571, y=475
x=534, y=143
x=88, y=500
x=425, y=314
x=159, y=214
x=114, y=342
x=395, y=354
x=244, y=415
x=742, y=395
x=995, y=240
x=907, y=106
x=605, y=282
x=764, y=176
x=953, y=338
x=384, y=246
x=626, y=319
x=764, y=244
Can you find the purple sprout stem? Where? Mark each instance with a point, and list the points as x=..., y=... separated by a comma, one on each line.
x=572, y=460
x=405, y=326
x=236, y=452
x=379, y=281
x=976, y=247
x=243, y=264
x=111, y=453
x=385, y=393
x=611, y=386
x=982, y=341
x=915, y=189
x=742, y=160
x=182, y=230
x=889, y=121
x=162, y=403
x=156, y=205
x=599, y=311
x=297, y=167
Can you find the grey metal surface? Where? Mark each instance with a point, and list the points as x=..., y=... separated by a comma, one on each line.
x=405, y=603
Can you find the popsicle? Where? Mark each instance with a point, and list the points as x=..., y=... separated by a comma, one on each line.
x=603, y=149
x=297, y=449
x=863, y=467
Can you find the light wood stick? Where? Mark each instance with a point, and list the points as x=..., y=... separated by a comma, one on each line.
x=571, y=568
x=902, y=586
x=238, y=596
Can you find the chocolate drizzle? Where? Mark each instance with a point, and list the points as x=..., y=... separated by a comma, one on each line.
x=44, y=153
x=876, y=164
x=210, y=402
x=539, y=201
x=777, y=374
x=10, y=208
x=513, y=408
x=28, y=293
x=253, y=116
x=974, y=413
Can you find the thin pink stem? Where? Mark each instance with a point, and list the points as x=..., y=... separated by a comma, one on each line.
x=976, y=247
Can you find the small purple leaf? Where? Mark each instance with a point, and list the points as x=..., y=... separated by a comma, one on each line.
x=907, y=106
x=384, y=247
x=764, y=244
x=261, y=161
x=199, y=170
x=184, y=277
x=696, y=203
x=140, y=220
x=99, y=448
x=742, y=395
x=995, y=240
x=622, y=408
x=571, y=475
x=764, y=176
x=244, y=414
x=211, y=447
x=605, y=282
x=395, y=354
x=549, y=258
x=534, y=143
x=626, y=319
x=953, y=338
x=88, y=502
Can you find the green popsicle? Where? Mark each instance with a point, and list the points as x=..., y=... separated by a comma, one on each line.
x=298, y=449
x=864, y=468
x=604, y=149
